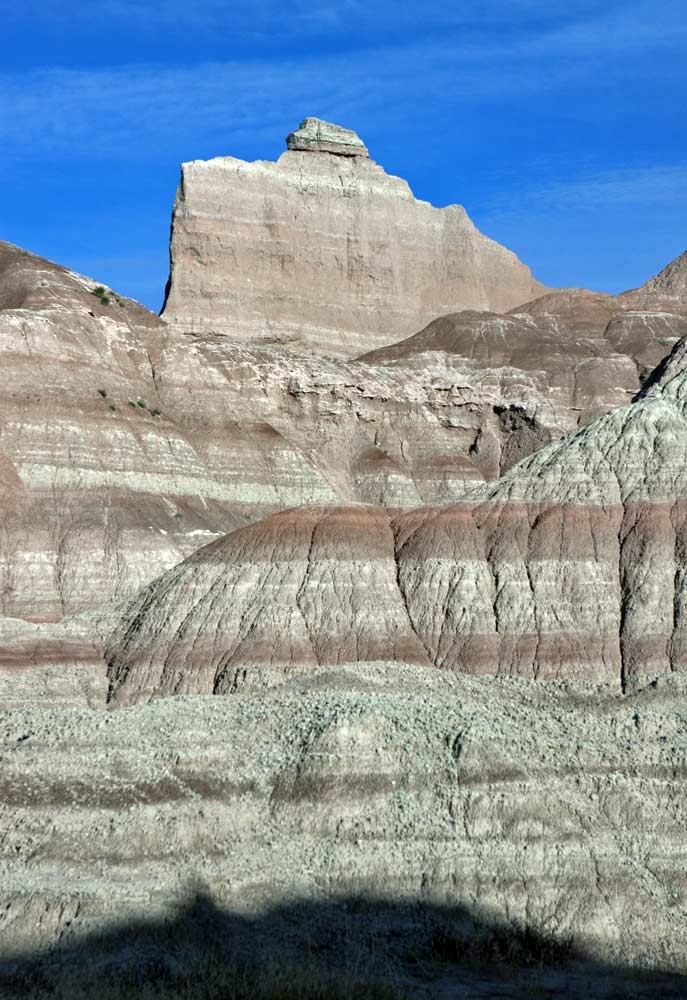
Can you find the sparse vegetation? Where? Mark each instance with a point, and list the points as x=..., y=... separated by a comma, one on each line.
x=103, y=392
x=142, y=404
x=112, y=406
x=155, y=412
x=131, y=402
x=101, y=293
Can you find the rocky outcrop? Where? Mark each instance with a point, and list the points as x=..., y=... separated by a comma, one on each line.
x=442, y=807
x=124, y=446
x=672, y=280
x=315, y=136
x=570, y=565
x=323, y=251
x=584, y=351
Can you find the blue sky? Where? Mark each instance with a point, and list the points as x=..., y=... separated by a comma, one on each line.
x=561, y=126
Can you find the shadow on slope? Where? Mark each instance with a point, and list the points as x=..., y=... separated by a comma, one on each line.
x=355, y=947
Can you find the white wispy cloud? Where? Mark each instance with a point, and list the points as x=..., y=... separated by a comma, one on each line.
x=308, y=17
x=660, y=186
x=136, y=110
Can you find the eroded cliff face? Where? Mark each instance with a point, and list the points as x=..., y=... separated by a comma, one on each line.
x=125, y=446
x=323, y=251
x=569, y=566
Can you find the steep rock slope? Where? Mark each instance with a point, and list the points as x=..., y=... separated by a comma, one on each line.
x=124, y=445
x=92, y=473
x=671, y=281
x=324, y=251
x=571, y=565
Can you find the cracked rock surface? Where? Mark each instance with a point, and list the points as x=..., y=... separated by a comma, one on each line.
x=324, y=251
x=559, y=807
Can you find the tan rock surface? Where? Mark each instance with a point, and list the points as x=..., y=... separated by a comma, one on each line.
x=325, y=252
x=101, y=494
x=124, y=447
x=671, y=281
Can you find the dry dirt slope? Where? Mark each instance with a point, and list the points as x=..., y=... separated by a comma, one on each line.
x=539, y=808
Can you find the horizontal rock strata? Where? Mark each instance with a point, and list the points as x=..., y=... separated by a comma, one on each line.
x=556, y=809
x=125, y=446
x=568, y=566
x=325, y=252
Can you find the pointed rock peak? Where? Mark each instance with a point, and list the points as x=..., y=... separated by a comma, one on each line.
x=672, y=280
x=316, y=136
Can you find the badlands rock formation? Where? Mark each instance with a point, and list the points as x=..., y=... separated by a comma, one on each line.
x=584, y=351
x=315, y=136
x=324, y=251
x=381, y=819
x=477, y=499
x=124, y=446
x=571, y=565
x=671, y=281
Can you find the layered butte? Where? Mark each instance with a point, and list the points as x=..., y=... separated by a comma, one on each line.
x=324, y=251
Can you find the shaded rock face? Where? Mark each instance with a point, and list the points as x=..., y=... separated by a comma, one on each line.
x=571, y=565
x=324, y=251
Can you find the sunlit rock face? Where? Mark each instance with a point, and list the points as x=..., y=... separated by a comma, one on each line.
x=125, y=445
x=324, y=251
x=569, y=566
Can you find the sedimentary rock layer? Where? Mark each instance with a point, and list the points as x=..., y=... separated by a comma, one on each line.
x=570, y=565
x=585, y=351
x=124, y=446
x=325, y=252
x=542, y=807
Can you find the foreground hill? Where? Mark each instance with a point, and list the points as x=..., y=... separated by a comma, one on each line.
x=449, y=835
x=570, y=565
